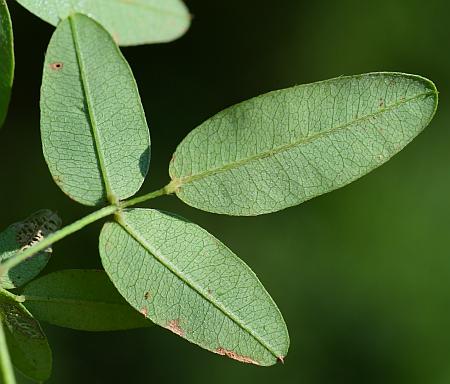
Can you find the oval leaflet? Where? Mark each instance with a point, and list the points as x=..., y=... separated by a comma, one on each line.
x=285, y=147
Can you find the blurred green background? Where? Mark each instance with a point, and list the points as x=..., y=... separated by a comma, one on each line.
x=362, y=275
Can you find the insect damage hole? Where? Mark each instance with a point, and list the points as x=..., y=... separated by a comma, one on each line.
x=35, y=228
x=56, y=66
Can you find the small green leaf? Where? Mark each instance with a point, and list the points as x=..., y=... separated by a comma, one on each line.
x=81, y=299
x=94, y=133
x=27, y=343
x=282, y=148
x=22, y=235
x=130, y=22
x=187, y=281
x=6, y=60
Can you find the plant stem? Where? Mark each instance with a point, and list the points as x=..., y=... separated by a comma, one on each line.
x=9, y=295
x=56, y=236
x=167, y=190
x=6, y=368
x=79, y=224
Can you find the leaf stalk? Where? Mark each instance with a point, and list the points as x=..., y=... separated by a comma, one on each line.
x=78, y=225
x=6, y=367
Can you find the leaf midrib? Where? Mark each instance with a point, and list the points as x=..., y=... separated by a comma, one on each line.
x=61, y=300
x=180, y=181
x=143, y=242
x=92, y=121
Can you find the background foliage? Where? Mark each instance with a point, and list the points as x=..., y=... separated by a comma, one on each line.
x=361, y=275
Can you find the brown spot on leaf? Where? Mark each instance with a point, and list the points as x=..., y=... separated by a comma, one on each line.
x=147, y=295
x=381, y=103
x=235, y=356
x=174, y=326
x=144, y=311
x=56, y=66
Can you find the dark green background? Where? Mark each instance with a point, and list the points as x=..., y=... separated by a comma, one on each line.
x=362, y=275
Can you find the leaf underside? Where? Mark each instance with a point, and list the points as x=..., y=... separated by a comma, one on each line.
x=130, y=22
x=81, y=299
x=6, y=60
x=185, y=280
x=94, y=132
x=282, y=148
x=27, y=343
x=22, y=235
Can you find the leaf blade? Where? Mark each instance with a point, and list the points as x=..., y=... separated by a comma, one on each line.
x=27, y=343
x=226, y=311
x=7, y=60
x=130, y=22
x=285, y=147
x=94, y=132
x=80, y=299
x=20, y=236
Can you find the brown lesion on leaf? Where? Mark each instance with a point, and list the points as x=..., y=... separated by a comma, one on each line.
x=235, y=356
x=57, y=66
x=147, y=295
x=144, y=311
x=174, y=326
x=381, y=104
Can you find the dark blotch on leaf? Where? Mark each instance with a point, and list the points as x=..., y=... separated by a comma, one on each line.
x=56, y=66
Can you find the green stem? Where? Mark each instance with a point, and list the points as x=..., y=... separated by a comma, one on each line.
x=167, y=190
x=56, y=236
x=6, y=368
x=11, y=296
x=79, y=224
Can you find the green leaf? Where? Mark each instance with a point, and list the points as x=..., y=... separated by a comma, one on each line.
x=27, y=343
x=282, y=148
x=81, y=299
x=130, y=22
x=22, y=235
x=6, y=61
x=187, y=281
x=94, y=133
